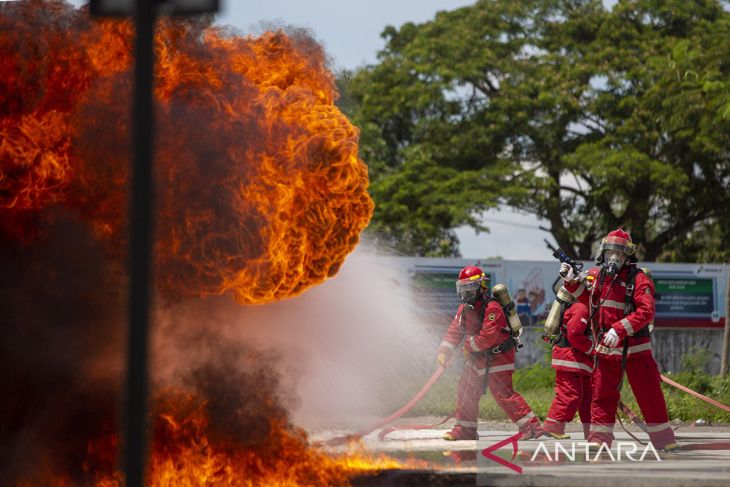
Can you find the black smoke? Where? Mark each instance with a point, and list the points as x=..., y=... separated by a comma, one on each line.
x=60, y=352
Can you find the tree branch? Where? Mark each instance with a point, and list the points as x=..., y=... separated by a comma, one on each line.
x=575, y=191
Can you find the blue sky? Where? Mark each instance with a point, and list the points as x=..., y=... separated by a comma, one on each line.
x=349, y=30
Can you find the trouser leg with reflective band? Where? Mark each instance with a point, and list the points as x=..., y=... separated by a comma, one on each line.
x=584, y=411
x=571, y=395
x=469, y=391
x=605, y=400
x=645, y=380
x=513, y=404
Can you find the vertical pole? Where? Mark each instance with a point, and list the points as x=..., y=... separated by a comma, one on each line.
x=726, y=340
x=141, y=228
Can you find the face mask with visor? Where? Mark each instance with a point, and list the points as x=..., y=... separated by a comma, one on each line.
x=615, y=253
x=469, y=290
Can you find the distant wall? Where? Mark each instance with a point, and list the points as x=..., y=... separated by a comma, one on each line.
x=669, y=344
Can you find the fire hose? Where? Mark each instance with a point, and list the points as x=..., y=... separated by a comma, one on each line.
x=397, y=414
x=721, y=445
x=440, y=370
x=695, y=394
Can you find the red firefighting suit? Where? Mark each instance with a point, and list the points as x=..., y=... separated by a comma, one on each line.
x=609, y=295
x=573, y=364
x=484, y=329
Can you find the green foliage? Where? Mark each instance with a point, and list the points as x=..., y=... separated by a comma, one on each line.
x=536, y=384
x=684, y=407
x=440, y=400
x=422, y=200
x=696, y=360
x=587, y=117
x=536, y=376
x=706, y=242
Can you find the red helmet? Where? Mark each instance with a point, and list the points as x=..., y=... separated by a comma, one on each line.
x=471, y=280
x=618, y=240
x=470, y=271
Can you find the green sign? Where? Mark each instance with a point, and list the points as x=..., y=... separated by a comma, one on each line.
x=685, y=295
x=439, y=281
x=436, y=290
x=435, y=281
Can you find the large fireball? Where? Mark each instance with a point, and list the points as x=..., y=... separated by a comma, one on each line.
x=260, y=190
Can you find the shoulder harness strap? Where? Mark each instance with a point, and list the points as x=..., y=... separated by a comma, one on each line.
x=630, y=286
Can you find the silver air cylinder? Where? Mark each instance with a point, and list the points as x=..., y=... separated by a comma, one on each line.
x=552, y=323
x=501, y=294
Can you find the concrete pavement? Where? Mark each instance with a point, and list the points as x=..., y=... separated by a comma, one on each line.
x=433, y=461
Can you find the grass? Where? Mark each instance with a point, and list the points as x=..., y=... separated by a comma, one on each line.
x=536, y=383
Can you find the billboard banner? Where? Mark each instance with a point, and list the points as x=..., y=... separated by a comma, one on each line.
x=434, y=282
x=688, y=295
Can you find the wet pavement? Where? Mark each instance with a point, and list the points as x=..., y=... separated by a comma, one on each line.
x=430, y=460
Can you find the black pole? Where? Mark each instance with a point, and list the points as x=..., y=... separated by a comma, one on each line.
x=141, y=228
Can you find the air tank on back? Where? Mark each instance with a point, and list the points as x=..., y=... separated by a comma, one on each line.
x=552, y=322
x=501, y=294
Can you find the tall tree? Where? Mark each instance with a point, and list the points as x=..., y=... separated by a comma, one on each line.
x=588, y=118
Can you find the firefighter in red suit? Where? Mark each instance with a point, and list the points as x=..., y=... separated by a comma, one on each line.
x=621, y=300
x=489, y=349
x=573, y=363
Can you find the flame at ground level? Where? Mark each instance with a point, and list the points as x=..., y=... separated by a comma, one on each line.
x=186, y=453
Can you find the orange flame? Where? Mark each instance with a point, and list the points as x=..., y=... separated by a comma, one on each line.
x=261, y=191
x=185, y=452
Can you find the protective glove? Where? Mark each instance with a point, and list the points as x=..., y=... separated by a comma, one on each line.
x=467, y=354
x=567, y=272
x=610, y=339
x=441, y=359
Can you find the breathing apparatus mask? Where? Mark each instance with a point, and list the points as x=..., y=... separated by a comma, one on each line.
x=468, y=291
x=616, y=250
x=613, y=260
